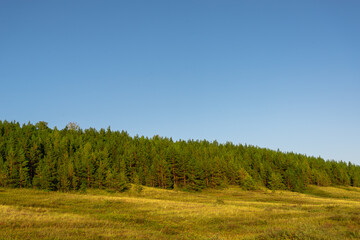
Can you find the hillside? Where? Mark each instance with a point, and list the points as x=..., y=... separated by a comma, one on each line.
x=71, y=159
x=322, y=213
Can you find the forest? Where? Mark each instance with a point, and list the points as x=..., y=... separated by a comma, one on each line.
x=73, y=159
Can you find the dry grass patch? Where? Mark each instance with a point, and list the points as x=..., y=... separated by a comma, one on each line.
x=163, y=214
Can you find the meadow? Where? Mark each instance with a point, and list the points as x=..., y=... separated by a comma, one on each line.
x=231, y=213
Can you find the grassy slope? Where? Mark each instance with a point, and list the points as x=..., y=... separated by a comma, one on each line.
x=321, y=213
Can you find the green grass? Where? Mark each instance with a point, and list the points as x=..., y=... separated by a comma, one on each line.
x=320, y=213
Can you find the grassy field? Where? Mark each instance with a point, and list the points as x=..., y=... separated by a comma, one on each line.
x=320, y=213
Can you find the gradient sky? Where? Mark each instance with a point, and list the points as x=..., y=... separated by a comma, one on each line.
x=276, y=74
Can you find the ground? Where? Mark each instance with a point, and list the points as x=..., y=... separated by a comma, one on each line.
x=319, y=213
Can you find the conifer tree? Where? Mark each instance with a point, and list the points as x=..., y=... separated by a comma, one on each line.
x=12, y=169
x=45, y=158
x=275, y=181
x=3, y=175
x=23, y=169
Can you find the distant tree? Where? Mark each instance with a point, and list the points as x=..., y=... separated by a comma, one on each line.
x=137, y=185
x=3, y=170
x=23, y=169
x=246, y=181
x=72, y=159
x=276, y=181
x=42, y=125
x=117, y=181
x=72, y=126
x=12, y=169
x=46, y=175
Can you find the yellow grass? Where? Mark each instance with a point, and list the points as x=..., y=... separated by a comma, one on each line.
x=320, y=213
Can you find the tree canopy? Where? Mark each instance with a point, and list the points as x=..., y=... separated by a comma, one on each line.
x=36, y=156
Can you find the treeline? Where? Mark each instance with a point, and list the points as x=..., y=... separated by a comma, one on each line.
x=36, y=156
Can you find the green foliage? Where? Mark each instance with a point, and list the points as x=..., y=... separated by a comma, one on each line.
x=72, y=159
x=276, y=181
x=3, y=172
x=137, y=185
x=117, y=181
x=245, y=180
x=249, y=183
x=83, y=188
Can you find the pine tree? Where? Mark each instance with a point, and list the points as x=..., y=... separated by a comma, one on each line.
x=12, y=169
x=116, y=180
x=23, y=169
x=37, y=156
x=245, y=180
x=195, y=176
x=137, y=184
x=275, y=181
x=3, y=169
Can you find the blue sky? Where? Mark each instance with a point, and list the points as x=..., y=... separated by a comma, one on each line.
x=276, y=74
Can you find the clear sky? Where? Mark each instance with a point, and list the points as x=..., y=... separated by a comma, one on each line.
x=276, y=74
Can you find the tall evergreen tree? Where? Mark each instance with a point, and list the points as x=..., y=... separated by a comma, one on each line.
x=73, y=159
